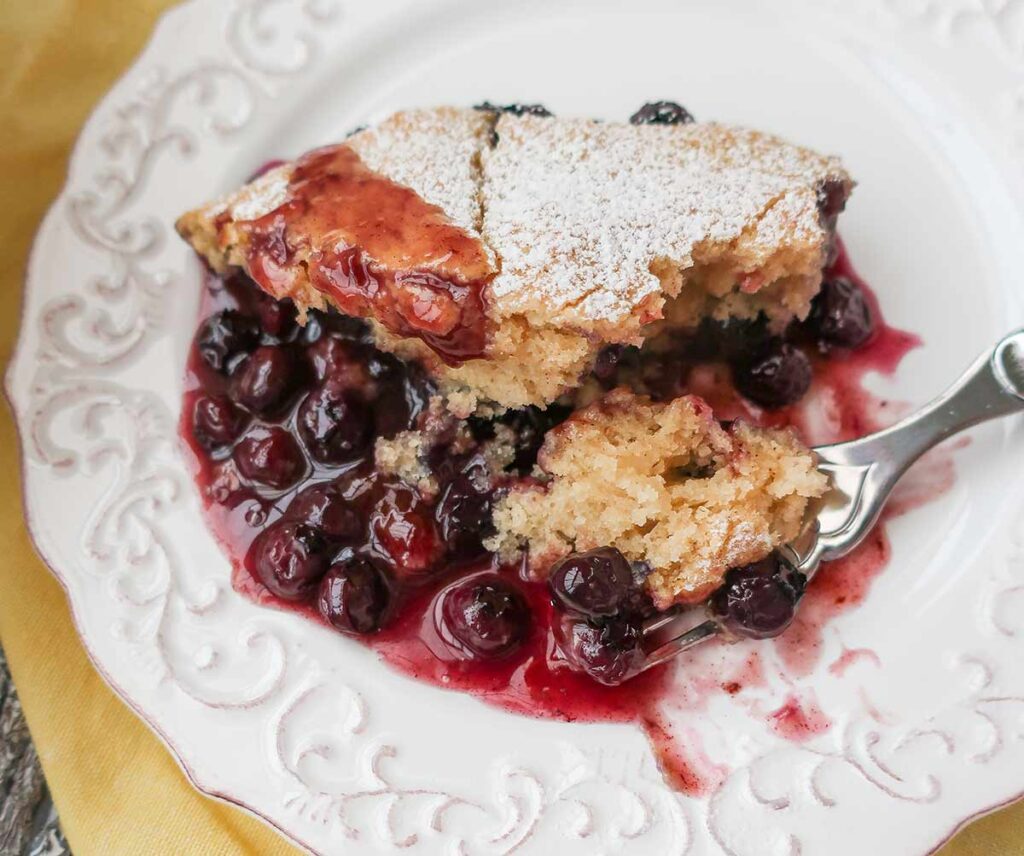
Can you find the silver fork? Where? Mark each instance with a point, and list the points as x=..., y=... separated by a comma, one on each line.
x=863, y=473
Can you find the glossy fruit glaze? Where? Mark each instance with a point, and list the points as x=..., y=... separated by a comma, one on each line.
x=377, y=249
x=277, y=416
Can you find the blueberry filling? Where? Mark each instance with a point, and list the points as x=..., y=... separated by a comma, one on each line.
x=776, y=375
x=353, y=596
x=484, y=617
x=758, y=600
x=285, y=418
x=603, y=604
x=225, y=338
x=840, y=315
x=661, y=113
x=514, y=109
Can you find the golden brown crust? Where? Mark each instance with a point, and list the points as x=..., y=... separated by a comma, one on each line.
x=694, y=220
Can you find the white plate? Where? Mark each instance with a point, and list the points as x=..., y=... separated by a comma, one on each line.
x=925, y=101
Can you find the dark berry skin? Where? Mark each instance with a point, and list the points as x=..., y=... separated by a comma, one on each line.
x=403, y=395
x=402, y=531
x=484, y=617
x=758, y=601
x=840, y=315
x=266, y=381
x=216, y=422
x=324, y=507
x=333, y=358
x=530, y=424
x=313, y=330
x=226, y=337
x=595, y=584
x=609, y=652
x=730, y=340
x=278, y=319
x=289, y=559
x=463, y=514
x=335, y=424
x=611, y=360
x=353, y=329
x=270, y=457
x=515, y=109
x=661, y=113
x=665, y=375
x=353, y=597
x=774, y=376
x=832, y=196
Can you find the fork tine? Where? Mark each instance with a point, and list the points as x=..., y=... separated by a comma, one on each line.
x=676, y=645
x=862, y=472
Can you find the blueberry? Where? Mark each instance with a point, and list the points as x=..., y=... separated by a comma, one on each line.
x=216, y=422
x=731, y=339
x=661, y=113
x=515, y=109
x=832, y=195
x=354, y=596
x=279, y=319
x=271, y=457
x=289, y=559
x=403, y=396
x=484, y=617
x=595, y=584
x=774, y=376
x=335, y=424
x=758, y=600
x=613, y=358
x=266, y=381
x=334, y=358
x=840, y=315
x=463, y=514
x=402, y=531
x=313, y=330
x=609, y=652
x=224, y=338
x=665, y=374
x=530, y=425
x=325, y=508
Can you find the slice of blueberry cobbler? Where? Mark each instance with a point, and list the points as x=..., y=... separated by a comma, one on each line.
x=491, y=389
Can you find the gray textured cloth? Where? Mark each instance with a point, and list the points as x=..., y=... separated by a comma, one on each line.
x=28, y=822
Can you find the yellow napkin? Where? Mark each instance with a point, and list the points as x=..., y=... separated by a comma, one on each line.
x=116, y=788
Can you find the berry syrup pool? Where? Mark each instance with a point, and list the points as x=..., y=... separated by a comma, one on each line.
x=279, y=422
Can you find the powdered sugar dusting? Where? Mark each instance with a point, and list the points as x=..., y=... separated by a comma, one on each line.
x=433, y=151
x=579, y=209
x=593, y=227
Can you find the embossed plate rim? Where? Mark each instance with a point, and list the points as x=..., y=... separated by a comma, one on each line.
x=304, y=826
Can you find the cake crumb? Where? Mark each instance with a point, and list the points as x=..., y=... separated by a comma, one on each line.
x=404, y=456
x=665, y=484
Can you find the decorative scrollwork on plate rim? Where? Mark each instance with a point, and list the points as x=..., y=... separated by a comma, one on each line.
x=86, y=417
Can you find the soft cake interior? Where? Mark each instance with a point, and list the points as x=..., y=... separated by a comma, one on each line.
x=666, y=485
x=597, y=234
x=600, y=233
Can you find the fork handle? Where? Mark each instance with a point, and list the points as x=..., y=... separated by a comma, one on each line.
x=868, y=468
x=993, y=386
x=863, y=474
